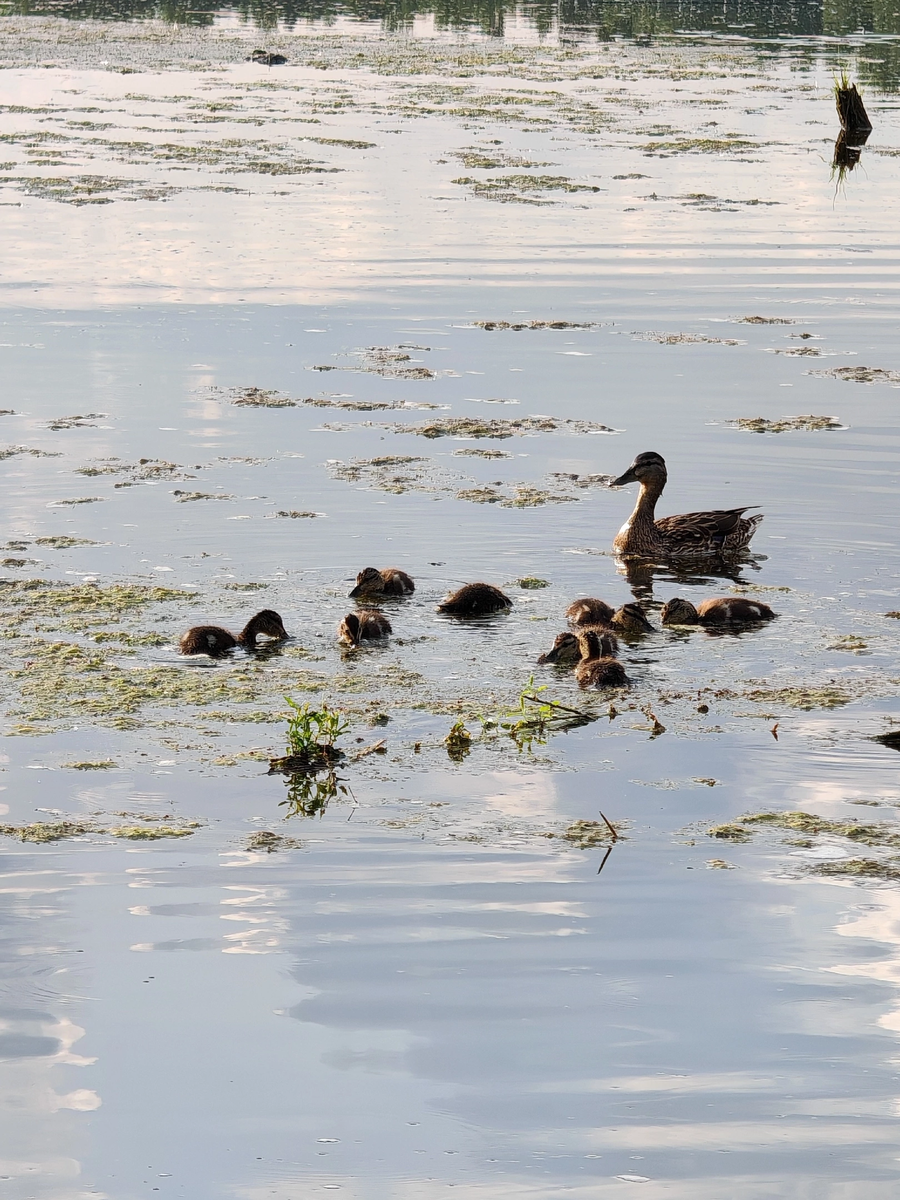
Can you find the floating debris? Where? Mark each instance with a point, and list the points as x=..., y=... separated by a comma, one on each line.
x=497, y=427
x=187, y=497
x=532, y=583
x=850, y=109
x=764, y=321
x=858, y=374
x=12, y=451
x=264, y=839
x=785, y=424
x=87, y=421
x=296, y=514
x=254, y=397
x=105, y=764
x=683, y=339
x=519, y=325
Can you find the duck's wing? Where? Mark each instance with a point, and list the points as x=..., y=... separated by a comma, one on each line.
x=709, y=529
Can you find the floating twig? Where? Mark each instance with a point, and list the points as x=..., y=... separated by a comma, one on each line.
x=374, y=748
x=610, y=827
x=576, y=712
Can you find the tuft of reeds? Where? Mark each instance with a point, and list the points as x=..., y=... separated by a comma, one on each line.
x=850, y=108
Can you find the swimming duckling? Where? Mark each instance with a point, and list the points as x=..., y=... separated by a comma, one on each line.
x=599, y=667
x=475, y=600
x=630, y=618
x=215, y=641
x=388, y=582
x=566, y=650
x=723, y=610
x=589, y=611
x=686, y=535
x=365, y=625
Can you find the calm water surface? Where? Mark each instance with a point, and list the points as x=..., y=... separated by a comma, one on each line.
x=425, y=991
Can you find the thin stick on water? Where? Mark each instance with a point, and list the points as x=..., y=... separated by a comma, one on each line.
x=576, y=712
x=615, y=836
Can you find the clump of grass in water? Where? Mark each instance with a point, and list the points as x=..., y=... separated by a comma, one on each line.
x=535, y=719
x=311, y=736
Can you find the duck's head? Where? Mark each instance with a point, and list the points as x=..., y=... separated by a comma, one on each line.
x=590, y=643
x=267, y=622
x=679, y=612
x=565, y=647
x=630, y=618
x=647, y=466
x=350, y=629
x=368, y=582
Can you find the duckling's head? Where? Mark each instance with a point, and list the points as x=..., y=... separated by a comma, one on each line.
x=590, y=644
x=630, y=618
x=679, y=612
x=608, y=646
x=267, y=622
x=565, y=648
x=368, y=582
x=647, y=467
x=350, y=629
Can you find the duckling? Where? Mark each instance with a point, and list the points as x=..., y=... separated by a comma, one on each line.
x=630, y=618
x=215, y=641
x=723, y=610
x=388, y=582
x=475, y=600
x=688, y=535
x=566, y=650
x=589, y=611
x=365, y=625
x=599, y=667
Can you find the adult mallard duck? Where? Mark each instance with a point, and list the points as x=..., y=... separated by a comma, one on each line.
x=723, y=610
x=475, y=600
x=388, y=582
x=599, y=667
x=689, y=535
x=566, y=649
x=215, y=641
x=365, y=625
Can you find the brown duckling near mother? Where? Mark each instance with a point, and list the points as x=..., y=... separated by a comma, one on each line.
x=215, y=641
x=475, y=600
x=366, y=625
x=390, y=581
x=723, y=610
x=599, y=667
x=629, y=618
x=566, y=649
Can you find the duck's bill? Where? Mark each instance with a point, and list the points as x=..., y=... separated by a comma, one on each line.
x=357, y=591
x=628, y=477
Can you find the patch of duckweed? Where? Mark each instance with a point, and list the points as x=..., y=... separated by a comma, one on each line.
x=297, y=514
x=387, y=361
x=12, y=451
x=858, y=868
x=763, y=321
x=520, y=189
x=46, y=831
x=785, y=424
x=151, y=833
x=684, y=339
x=526, y=496
x=254, y=717
x=519, y=325
x=264, y=839
x=719, y=864
x=480, y=495
x=88, y=189
x=532, y=583
x=187, y=497
x=474, y=159
x=38, y=598
x=850, y=643
x=63, y=542
x=372, y=405
x=105, y=764
x=858, y=374
x=497, y=427
x=76, y=500
x=130, y=640
x=476, y=453
x=806, y=698
x=698, y=145
x=254, y=397
x=588, y=834
x=808, y=824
